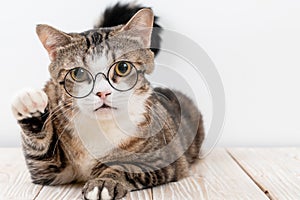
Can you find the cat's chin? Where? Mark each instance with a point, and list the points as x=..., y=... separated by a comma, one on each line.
x=103, y=114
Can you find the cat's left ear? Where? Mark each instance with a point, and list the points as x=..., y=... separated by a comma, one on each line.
x=140, y=25
x=52, y=39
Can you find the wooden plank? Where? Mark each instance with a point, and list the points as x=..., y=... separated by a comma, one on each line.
x=66, y=192
x=216, y=177
x=139, y=195
x=15, y=180
x=275, y=170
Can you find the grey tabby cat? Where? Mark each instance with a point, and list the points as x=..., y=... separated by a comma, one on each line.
x=98, y=120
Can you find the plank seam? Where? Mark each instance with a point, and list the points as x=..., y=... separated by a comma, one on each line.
x=265, y=191
x=152, y=196
x=38, y=193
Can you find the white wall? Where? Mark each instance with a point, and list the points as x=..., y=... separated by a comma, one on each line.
x=255, y=46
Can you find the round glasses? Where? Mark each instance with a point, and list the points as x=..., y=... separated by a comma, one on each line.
x=122, y=76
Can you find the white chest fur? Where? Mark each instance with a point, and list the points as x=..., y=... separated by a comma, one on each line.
x=99, y=137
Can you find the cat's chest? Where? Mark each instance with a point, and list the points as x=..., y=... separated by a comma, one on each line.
x=99, y=138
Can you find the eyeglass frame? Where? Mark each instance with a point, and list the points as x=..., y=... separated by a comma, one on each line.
x=105, y=76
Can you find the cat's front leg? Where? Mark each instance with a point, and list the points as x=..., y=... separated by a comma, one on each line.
x=104, y=189
x=114, y=182
x=44, y=156
x=108, y=183
x=29, y=107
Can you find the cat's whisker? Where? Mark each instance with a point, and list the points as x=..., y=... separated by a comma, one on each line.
x=50, y=118
x=166, y=98
x=161, y=119
x=58, y=109
x=64, y=112
x=63, y=131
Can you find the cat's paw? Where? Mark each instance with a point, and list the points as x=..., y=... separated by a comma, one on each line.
x=104, y=189
x=29, y=103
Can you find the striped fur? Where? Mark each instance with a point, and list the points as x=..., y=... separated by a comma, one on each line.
x=163, y=142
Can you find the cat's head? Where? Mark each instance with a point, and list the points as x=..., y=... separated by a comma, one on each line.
x=102, y=70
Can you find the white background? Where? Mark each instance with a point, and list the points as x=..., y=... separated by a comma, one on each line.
x=255, y=45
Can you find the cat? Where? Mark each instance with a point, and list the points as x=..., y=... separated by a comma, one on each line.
x=98, y=120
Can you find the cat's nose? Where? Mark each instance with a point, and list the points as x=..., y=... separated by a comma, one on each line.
x=103, y=95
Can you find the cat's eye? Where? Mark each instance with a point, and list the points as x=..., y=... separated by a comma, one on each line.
x=79, y=74
x=122, y=68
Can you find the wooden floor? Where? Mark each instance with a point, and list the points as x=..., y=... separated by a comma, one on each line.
x=234, y=173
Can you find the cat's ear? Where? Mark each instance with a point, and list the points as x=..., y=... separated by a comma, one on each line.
x=141, y=25
x=52, y=39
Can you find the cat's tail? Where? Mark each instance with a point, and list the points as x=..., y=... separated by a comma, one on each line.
x=121, y=13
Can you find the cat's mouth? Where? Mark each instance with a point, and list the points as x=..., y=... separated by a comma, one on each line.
x=104, y=106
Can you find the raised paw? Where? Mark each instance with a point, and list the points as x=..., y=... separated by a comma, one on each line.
x=104, y=189
x=29, y=103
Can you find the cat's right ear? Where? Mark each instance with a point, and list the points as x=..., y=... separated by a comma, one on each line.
x=52, y=39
